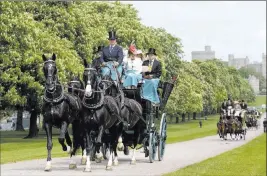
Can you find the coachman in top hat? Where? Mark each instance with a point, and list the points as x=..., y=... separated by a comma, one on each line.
x=112, y=55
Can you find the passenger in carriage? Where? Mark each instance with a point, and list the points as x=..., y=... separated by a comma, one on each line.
x=243, y=105
x=223, y=108
x=151, y=77
x=96, y=63
x=133, y=68
x=112, y=55
x=238, y=111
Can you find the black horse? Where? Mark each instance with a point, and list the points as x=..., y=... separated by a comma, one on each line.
x=101, y=117
x=59, y=108
x=76, y=88
x=130, y=110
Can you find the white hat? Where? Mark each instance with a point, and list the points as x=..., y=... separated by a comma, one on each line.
x=139, y=52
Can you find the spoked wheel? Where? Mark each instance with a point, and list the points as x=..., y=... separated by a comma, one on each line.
x=105, y=151
x=152, y=147
x=162, y=137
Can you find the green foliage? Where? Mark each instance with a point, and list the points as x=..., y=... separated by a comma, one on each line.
x=72, y=29
x=204, y=85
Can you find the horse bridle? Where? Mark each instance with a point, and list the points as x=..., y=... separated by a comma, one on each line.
x=50, y=75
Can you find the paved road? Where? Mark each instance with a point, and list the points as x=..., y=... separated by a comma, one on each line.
x=177, y=156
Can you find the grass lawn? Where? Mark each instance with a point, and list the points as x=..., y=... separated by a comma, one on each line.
x=14, y=148
x=261, y=99
x=190, y=130
x=249, y=159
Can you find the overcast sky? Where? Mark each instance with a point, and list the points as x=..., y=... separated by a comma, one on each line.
x=229, y=27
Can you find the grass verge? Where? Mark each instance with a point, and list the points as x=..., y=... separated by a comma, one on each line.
x=249, y=159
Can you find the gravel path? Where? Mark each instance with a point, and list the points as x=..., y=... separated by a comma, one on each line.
x=177, y=156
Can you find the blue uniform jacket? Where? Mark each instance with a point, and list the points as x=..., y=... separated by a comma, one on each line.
x=115, y=55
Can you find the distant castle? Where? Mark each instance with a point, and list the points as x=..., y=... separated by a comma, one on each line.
x=238, y=63
x=203, y=55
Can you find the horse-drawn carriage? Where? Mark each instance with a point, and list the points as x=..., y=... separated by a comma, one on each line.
x=231, y=122
x=102, y=114
x=251, y=118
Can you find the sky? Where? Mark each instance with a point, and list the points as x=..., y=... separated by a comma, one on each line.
x=229, y=27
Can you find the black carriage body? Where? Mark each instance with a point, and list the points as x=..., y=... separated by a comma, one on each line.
x=151, y=137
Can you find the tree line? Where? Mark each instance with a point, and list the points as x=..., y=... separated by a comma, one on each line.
x=73, y=29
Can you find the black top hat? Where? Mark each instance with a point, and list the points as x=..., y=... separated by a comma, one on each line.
x=112, y=35
x=151, y=51
x=97, y=49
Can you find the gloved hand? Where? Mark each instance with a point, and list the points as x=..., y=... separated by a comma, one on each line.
x=103, y=64
x=116, y=64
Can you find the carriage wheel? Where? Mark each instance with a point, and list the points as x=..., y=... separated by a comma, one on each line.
x=152, y=146
x=105, y=151
x=162, y=137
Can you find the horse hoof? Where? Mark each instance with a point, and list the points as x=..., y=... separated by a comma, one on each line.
x=87, y=170
x=72, y=166
x=64, y=148
x=48, y=168
x=68, y=149
x=108, y=168
x=83, y=162
x=115, y=163
x=133, y=162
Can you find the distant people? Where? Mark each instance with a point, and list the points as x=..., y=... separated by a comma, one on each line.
x=200, y=124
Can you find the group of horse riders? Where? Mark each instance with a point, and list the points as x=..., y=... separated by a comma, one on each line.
x=128, y=73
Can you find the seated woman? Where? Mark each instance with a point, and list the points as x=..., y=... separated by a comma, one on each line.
x=151, y=77
x=133, y=69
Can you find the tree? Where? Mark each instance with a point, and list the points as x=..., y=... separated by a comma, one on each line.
x=73, y=29
x=24, y=41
